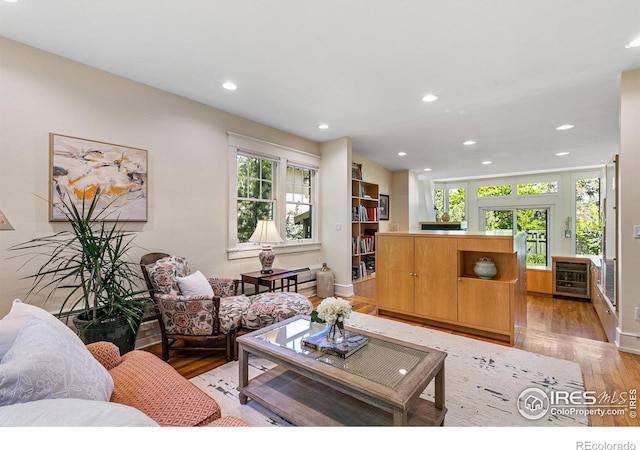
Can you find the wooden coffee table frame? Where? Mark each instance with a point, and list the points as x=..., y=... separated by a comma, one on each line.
x=308, y=392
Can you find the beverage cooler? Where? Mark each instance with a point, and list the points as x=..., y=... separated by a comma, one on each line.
x=571, y=277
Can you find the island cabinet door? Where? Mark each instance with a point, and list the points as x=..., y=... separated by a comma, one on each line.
x=436, y=267
x=394, y=273
x=485, y=304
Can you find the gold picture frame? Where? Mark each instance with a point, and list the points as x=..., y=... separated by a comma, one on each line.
x=81, y=168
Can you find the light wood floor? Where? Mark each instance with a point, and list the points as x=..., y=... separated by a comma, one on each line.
x=559, y=328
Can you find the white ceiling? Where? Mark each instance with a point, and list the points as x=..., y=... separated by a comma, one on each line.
x=507, y=72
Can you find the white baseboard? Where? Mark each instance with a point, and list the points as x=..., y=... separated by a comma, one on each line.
x=628, y=342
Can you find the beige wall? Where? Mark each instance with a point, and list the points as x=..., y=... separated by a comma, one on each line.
x=629, y=212
x=186, y=141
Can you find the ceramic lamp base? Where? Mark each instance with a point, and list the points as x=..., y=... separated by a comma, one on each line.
x=266, y=257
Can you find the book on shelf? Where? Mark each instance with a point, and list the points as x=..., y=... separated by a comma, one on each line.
x=352, y=343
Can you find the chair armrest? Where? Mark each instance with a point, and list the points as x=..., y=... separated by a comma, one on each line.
x=224, y=287
x=107, y=353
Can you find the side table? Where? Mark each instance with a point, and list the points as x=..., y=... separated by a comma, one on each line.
x=270, y=280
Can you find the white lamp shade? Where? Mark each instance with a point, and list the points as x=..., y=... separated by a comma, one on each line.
x=266, y=233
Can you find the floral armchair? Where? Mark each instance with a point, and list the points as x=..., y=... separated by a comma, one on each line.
x=197, y=314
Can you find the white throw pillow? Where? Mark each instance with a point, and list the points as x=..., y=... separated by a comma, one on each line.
x=195, y=284
x=45, y=363
x=20, y=313
x=73, y=412
x=9, y=329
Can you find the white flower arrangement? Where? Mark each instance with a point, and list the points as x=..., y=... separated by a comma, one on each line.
x=334, y=311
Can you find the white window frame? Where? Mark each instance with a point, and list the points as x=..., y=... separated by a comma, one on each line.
x=283, y=156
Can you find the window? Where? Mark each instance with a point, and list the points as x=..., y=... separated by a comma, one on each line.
x=588, y=221
x=275, y=182
x=494, y=191
x=299, y=203
x=255, y=195
x=457, y=205
x=538, y=188
x=454, y=203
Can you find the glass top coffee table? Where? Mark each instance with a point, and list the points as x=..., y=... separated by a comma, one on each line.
x=378, y=385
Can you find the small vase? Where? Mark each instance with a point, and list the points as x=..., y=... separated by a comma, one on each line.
x=485, y=269
x=335, y=334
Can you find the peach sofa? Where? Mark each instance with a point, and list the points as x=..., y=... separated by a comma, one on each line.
x=48, y=377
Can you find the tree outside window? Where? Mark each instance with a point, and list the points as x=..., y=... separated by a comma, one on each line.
x=255, y=193
x=588, y=220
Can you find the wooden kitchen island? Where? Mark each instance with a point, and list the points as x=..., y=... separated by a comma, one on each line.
x=428, y=277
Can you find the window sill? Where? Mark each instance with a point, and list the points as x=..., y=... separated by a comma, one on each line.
x=243, y=253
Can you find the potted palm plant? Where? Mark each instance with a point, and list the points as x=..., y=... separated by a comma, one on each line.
x=89, y=264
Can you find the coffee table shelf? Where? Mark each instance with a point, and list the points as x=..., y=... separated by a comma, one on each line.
x=304, y=402
x=379, y=385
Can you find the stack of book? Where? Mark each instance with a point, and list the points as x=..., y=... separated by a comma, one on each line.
x=351, y=343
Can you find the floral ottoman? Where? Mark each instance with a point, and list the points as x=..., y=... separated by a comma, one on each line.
x=271, y=307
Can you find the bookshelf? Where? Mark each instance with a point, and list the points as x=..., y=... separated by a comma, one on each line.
x=364, y=225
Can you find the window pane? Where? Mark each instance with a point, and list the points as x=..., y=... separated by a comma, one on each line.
x=537, y=188
x=242, y=166
x=290, y=172
x=438, y=202
x=267, y=170
x=494, y=191
x=242, y=187
x=267, y=193
x=299, y=224
x=456, y=205
x=254, y=168
x=588, y=221
x=534, y=223
x=254, y=189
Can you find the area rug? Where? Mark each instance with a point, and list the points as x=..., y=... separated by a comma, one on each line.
x=483, y=380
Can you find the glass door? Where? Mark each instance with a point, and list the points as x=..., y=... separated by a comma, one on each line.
x=533, y=221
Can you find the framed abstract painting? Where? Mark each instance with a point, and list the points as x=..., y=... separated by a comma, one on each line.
x=82, y=168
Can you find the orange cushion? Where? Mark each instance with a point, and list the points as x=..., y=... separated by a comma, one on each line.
x=144, y=381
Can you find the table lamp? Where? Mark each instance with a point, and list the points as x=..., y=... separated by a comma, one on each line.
x=266, y=234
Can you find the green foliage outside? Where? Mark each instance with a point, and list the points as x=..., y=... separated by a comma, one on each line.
x=494, y=191
x=255, y=194
x=588, y=220
x=457, y=204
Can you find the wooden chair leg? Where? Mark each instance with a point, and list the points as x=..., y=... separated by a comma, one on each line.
x=165, y=350
x=235, y=345
x=230, y=341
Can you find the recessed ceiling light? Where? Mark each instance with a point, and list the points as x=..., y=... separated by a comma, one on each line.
x=402, y=153
x=562, y=153
x=323, y=126
x=486, y=162
x=469, y=143
x=428, y=169
x=430, y=98
x=567, y=126
x=11, y=1
x=634, y=43
x=229, y=86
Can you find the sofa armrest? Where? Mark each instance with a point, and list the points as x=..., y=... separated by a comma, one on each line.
x=107, y=353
